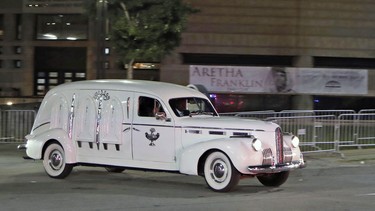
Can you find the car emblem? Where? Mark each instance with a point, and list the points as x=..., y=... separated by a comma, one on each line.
x=152, y=136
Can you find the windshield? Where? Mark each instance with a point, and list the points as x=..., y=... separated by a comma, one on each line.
x=191, y=106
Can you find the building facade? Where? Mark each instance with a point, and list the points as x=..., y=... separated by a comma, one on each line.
x=44, y=43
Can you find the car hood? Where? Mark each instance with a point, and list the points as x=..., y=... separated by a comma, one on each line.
x=227, y=123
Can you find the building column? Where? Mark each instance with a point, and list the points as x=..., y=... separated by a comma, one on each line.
x=303, y=101
x=28, y=33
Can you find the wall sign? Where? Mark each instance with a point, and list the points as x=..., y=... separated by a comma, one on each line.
x=239, y=79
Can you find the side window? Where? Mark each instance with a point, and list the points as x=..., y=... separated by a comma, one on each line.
x=148, y=107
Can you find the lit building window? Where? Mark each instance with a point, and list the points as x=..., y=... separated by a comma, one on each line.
x=106, y=51
x=17, y=63
x=18, y=49
x=146, y=66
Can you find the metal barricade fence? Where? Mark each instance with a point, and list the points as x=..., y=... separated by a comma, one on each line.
x=323, y=130
x=356, y=130
x=367, y=111
x=15, y=124
x=288, y=113
x=337, y=129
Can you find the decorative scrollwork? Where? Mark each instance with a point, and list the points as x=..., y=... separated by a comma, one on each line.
x=101, y=95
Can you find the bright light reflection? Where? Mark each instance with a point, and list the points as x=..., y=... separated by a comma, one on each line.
x=50, y=36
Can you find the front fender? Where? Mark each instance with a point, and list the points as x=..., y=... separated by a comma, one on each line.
x=239, y=151
x=36, y=143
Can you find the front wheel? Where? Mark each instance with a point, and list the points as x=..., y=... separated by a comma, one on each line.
x=274, y=180
x=54, y=162
x=219, y=173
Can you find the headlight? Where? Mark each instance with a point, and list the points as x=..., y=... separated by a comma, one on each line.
x=257, y=144
x=295, y=141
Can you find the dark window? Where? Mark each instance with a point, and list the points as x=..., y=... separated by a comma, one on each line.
x=61, y=27
x=250, y=102
x=148, y=107
x=341, y=103
x=234, y=59
x=1, y=27
x=19, y=27
x=54, y=66
x=337, y=62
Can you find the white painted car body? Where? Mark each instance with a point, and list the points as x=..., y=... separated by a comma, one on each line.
x=100, y=123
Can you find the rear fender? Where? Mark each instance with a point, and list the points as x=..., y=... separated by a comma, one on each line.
x=36, y=144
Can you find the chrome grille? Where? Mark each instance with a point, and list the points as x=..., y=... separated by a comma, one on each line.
x=279, y=146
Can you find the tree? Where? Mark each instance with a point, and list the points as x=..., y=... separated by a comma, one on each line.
x=144, y=30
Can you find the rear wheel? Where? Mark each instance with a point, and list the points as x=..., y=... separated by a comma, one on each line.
x=219, y=173
x=54, y=162
x=274, y=180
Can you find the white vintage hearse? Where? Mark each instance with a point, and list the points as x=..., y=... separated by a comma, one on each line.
x=121, y=124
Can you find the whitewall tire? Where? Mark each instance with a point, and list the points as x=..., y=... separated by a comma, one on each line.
x=219, y=173
x=54, y=162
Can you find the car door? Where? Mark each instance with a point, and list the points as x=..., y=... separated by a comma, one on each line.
x=153, y=138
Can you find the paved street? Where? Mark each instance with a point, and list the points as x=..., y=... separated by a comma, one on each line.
x=328, y=183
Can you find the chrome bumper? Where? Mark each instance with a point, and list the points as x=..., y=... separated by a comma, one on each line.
x=21, y=147
x=276, y=168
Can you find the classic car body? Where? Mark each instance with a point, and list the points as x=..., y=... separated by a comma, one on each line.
x=123, y=124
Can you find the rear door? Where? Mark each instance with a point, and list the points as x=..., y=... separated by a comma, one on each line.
x=103, y=124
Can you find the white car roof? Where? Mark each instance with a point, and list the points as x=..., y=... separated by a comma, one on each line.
x=161, y=89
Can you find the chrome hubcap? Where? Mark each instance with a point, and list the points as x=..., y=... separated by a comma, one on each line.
x=55, y=160
x=219, y=171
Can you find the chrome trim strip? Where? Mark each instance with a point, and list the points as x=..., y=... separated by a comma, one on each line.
x=71, y=117
x=150, y=125
x=193, y=127
x=217, y=128
x=127, y=107
x=41, y=125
